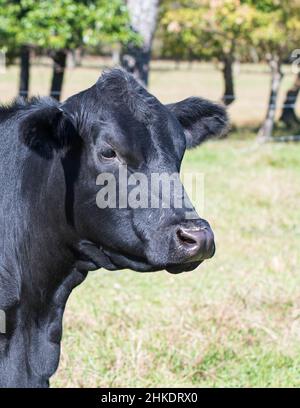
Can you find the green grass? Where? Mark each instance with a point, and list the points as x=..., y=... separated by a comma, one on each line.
x=235, y=321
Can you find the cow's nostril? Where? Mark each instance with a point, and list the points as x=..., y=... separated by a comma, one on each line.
x=186, y=238
x=195, y=240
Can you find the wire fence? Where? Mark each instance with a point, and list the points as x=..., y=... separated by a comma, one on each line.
x=170, y=82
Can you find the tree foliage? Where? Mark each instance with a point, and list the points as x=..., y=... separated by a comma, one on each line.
x=64, y=23
x=278, y=30
x=9, y=13
x=206, y=29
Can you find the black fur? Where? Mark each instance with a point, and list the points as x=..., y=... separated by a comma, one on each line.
x=44, y=127
x=51, y=230
x=200, y=119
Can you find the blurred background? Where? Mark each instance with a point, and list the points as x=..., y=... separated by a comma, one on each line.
x=236, y=320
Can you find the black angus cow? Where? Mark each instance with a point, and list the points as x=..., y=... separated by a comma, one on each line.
x=53, y=232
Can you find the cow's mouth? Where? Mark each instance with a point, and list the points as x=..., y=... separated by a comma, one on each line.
x=185, y=267
x=139, y=264
x=94, y=257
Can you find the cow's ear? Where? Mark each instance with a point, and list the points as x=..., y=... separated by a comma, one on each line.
x=200, y=119
x=45, y=129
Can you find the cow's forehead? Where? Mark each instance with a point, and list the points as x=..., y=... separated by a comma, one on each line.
x=118, y=88
x=139, y=116
x=117, y=102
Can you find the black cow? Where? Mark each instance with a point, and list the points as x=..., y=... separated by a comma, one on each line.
x=53, y=232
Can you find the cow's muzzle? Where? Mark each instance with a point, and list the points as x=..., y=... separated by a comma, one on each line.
x=196, y=240
x=191, y=242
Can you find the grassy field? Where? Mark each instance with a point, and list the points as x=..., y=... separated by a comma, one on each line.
x=235, y=321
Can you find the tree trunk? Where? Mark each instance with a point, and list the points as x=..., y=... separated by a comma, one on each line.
x=59, y=65
x=288, y=115
x=266, y=130
x=24, y=71
x=228, y=96
x=136, y=59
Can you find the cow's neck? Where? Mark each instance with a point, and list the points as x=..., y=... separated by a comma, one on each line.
x=31, y=348
x=40, y=270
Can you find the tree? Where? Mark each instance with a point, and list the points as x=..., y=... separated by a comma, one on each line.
x=204, y=29
x=58, y=27
x=266, y=130
x=136, y=56
x=65, y=25
x=24, y=71
x=55, y=26
x=288, y=115
x=276, y=35
x=12, y=13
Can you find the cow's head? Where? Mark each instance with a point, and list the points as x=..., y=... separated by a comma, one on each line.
x=116, y=124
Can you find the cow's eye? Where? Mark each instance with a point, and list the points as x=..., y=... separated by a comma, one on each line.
x=108, y=153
